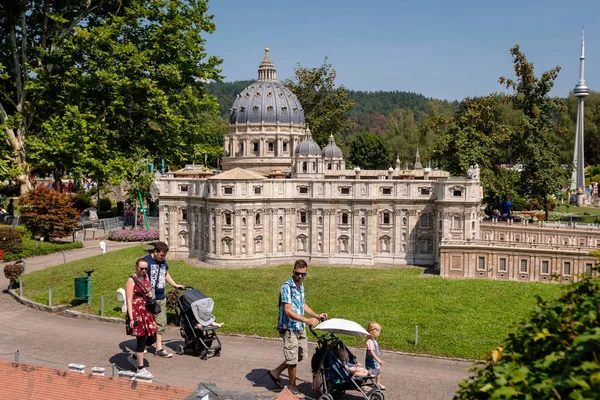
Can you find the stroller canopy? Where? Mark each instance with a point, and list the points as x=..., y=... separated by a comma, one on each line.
x=342, y=326
x=201, y=306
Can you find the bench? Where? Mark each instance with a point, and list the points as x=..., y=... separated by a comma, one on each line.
x=105, y=224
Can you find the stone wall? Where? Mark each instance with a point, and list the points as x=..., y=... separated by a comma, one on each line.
x=525, y=252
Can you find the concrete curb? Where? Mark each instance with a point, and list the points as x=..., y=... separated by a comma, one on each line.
x=38, y=306
x=91, y=317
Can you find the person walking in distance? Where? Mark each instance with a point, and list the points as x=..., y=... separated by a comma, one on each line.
x=158, y=271
x=292, y=325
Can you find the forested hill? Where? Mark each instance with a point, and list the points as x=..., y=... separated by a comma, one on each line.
x=384, y=103
x=370, y=108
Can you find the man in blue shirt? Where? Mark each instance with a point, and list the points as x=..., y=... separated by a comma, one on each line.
x=291, y=324
x=158, y=272
x=506, y=208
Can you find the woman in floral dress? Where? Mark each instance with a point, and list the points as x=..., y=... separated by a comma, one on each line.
x=141, y=321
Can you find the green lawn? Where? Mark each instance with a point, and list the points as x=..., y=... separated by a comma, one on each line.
x=459, y=318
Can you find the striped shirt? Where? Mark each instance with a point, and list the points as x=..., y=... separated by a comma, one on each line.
x=290, y=294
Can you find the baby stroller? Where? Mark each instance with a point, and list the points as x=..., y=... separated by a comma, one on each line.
x=195, y=307
x=335, y=379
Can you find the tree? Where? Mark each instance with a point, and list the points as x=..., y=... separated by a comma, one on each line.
x=552, y=355
x=325, y=106
x=534, y=136
x=85, y=83
x=48, y=213
x=476, y=135
x=369, y=151
x=403, y=134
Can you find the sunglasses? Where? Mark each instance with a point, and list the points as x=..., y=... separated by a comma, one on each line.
x=302, y=274
x=143, y=269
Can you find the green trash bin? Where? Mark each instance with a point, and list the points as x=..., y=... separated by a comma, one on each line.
x=81, y=288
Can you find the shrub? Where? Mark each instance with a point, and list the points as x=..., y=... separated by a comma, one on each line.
x=12, y=272
x=48, y=213
x=552, y=355
x=133, y=235
x=105, y=204
x=10, y=239
x=82, y=201
x=25, y=234
x=31, y=248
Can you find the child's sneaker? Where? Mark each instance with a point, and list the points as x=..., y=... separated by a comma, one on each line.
x=144, y=373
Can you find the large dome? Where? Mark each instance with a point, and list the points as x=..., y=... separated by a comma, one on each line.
x=266, y=100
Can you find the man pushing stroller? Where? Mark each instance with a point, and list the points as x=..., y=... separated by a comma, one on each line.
x=292, y=325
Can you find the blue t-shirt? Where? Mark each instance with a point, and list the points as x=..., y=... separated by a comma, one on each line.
x=157, y=272
x=505, y=207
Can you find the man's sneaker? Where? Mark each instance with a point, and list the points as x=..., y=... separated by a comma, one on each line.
x=163, y=353
x=144, y=373
x=133, y=360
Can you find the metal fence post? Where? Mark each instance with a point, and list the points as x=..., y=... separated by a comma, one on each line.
x=64, y=258
x=20, y=288
x=102, y=306
x=16, y=356
x=416, y=335
x=49, y=296
x=114, y=367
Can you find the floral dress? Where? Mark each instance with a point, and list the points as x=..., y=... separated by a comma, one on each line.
x=146, y=326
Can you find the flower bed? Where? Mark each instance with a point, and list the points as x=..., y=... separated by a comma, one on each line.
x=133, y=235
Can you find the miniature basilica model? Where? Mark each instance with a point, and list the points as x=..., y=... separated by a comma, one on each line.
x=280, y=197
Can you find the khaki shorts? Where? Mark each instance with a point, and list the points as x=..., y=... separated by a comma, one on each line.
x=295, y=345
x=161, y=317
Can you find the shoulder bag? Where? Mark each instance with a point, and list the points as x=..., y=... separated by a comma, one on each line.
x=151, y=304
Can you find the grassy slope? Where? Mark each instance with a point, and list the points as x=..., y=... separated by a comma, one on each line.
x=462, y=318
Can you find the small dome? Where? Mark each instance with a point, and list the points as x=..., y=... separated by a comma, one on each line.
x=332, y=150
x=308, y=146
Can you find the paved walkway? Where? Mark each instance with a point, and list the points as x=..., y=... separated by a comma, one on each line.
x=55, y=341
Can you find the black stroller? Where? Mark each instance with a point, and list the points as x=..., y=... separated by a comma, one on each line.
x=195, y=307
x=334, y=378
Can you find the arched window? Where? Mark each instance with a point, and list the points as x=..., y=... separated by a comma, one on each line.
x=304, y=166
x=257, y=218
x=344, y=219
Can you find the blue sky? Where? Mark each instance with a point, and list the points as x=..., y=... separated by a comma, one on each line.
x=443, y=49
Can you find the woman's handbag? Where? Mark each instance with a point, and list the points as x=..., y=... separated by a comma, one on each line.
x=151, y=305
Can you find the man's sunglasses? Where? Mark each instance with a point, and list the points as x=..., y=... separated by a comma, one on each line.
x=302, y=274
x=143, y=269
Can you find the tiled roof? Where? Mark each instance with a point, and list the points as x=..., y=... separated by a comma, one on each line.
x=238, y=174
x=22, y=381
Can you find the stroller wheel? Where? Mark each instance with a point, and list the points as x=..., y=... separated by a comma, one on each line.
x=203, y=354
x=326, y=396
x=218, y=353
x=180, y=350
x=376, y=396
